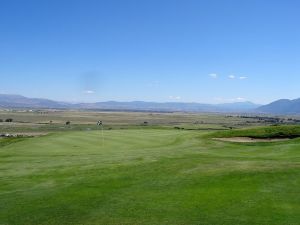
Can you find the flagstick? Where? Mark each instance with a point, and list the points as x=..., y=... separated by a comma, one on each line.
x=102, y=135
x=99, y=123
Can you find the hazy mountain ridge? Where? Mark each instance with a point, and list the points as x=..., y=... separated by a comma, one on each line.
x=18, y=101
x=282, y=106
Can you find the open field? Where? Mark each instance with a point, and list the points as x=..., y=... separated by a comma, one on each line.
x=54, y=120
x=152, y=174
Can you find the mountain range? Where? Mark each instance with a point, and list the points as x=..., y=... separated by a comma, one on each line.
x=283, y=106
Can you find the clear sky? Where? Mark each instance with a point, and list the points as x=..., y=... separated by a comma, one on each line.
x=154, y=50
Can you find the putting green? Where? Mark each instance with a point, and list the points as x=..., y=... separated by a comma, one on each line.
x=148, y=176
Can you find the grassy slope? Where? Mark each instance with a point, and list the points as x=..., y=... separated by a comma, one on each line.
x=148, y=177
x=284, y=131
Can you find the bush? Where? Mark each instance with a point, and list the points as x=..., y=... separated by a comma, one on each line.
x=1, y=120
x=9, y=120
x=68, y=122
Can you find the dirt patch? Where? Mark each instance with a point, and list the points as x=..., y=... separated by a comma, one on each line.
x=251, y=140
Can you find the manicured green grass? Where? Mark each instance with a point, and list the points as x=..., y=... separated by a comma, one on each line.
x=148, y=176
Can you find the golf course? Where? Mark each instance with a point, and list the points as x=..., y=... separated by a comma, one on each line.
x=160, y=112
x=152, y=176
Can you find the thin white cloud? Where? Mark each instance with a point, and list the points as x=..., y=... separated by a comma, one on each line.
x=213, y=75
x=229, y=100
x=89, y=92
x=232, y=77
x=240, y=99
x=174, y=97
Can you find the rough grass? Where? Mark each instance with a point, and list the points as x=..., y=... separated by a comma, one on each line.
x=148, y=176
x=8, y=141
x=82, y=120
x=284, y=131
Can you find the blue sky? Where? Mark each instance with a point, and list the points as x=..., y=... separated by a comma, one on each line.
x=209, y=51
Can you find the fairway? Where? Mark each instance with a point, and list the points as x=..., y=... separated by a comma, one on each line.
x=148, y=176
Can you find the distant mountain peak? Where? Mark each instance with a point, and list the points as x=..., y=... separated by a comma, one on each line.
x=282, y=106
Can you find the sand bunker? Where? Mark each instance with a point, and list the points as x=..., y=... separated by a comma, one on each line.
x=251, y=140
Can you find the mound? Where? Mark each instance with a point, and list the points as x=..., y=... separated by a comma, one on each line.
x=261, y=134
